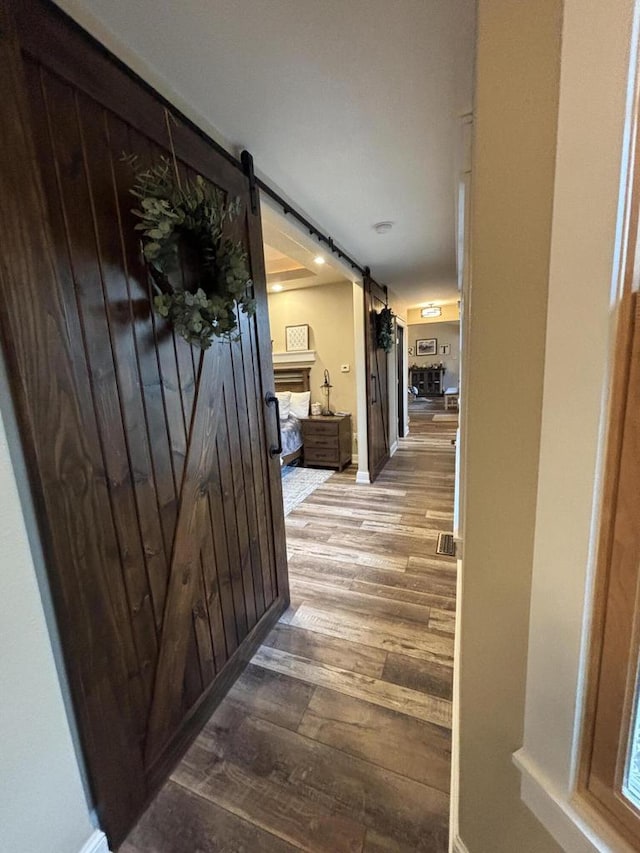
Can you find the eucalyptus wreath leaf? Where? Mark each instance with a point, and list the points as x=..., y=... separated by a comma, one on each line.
x=191, y=218
x=384, y=329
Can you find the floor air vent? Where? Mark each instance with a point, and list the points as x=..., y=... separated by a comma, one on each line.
x=446, y=544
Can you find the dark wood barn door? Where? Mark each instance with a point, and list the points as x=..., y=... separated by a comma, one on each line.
x=378, y=381
x=159, y=505
x=400, y=374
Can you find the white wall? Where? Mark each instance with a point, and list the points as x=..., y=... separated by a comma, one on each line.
x=581, y=314
x=515, y=126
x=328, y=311
x=42, y=804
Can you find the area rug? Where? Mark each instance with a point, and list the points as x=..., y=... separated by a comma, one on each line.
x=448, y=418
x=426, y=404
x=299, y=483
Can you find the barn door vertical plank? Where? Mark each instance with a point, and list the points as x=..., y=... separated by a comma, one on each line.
x=111, y=240
x=377, y=381
x=263, y=362
x=253, y=533
x=150, y=451
x=218, y=536
x=139, y=293
x=58, y=444
x=213, y=595
x=88, y=289
x=256, y=465
x=238, y=496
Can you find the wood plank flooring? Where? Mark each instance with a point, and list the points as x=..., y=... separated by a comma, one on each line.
x=337, y=736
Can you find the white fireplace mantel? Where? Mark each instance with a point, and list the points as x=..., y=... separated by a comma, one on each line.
x=307, y=356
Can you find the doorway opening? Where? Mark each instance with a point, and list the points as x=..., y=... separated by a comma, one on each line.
x=400, y=380
x=311, y=310
x=434, y=367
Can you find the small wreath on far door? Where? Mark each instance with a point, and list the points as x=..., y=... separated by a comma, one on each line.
x=201, y=275
x=385, y=329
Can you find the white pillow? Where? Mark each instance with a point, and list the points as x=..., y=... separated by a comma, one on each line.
x=300, y=403
x=284, y=399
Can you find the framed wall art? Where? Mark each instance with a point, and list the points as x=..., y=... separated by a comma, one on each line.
x=297, y=338
x=427, y=346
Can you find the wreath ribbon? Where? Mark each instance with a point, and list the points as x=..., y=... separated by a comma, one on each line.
x=168, y=118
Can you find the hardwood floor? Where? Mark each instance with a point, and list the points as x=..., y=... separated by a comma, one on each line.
x=337, y=736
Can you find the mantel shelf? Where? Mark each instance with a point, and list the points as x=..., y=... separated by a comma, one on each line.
x=307, y=356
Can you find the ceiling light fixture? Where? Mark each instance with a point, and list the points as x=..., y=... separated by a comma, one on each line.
x=276, y=288
x=319, y=260
x=431, y=311
x=383, y=227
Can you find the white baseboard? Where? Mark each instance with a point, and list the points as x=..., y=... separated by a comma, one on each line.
x=96, y=843
x=363, y=478
x=458, y=846
x=393, y=448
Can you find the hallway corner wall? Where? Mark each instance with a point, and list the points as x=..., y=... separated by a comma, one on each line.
x=588, y=264
x=517, y=88
x=42, y=801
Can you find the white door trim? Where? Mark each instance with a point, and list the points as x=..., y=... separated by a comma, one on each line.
x=96, y=843
x=359, y=345
x=405, y=378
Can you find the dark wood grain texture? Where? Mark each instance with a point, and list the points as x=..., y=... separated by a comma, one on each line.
x=410, y=747
x=377, y=381
x=47, y=372
x=181, y=820
x=159, y=507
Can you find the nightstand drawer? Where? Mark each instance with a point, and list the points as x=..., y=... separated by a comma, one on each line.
x=328, y=427
x=328, y=441
x=315, y=455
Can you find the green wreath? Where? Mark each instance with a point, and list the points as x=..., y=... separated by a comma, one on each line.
x=384, y=329
x=182, y=229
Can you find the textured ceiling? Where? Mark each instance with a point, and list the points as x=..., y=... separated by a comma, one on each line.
x=290, y=256
x=350, y=107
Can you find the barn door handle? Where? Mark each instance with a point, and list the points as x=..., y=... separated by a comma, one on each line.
x=270, y=398
x=374, y=398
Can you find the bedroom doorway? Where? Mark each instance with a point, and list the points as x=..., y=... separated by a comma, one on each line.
x=311, y=315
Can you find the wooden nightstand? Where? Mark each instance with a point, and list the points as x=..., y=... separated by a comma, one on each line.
x=327, y=441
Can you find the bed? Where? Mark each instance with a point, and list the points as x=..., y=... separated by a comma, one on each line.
x=296, y=381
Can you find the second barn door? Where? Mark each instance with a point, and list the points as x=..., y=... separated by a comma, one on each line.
x=375, y=299
x=158, y=500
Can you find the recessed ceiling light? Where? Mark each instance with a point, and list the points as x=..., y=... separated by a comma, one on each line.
x=383, y=227
x=319, y=260
x=276, y=288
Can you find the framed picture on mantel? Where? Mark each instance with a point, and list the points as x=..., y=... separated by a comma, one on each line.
x=297, y=338
x=427, y=346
